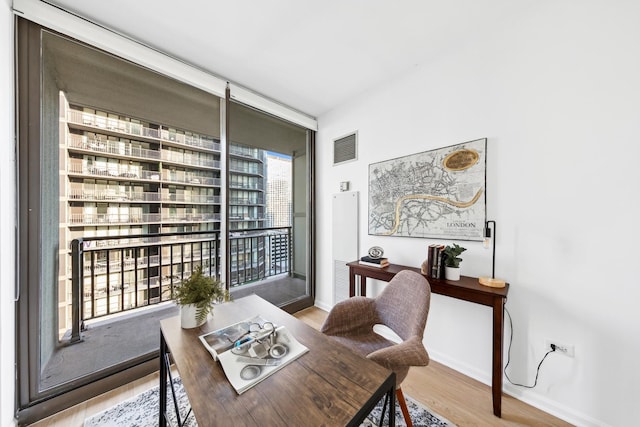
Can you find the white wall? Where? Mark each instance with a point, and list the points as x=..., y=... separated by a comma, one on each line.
x=556, y=91
x=7, y=217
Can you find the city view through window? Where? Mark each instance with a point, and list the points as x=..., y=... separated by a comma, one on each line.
x=126, y=187
x=145, y=201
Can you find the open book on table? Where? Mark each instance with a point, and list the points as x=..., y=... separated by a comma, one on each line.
x=251, y=350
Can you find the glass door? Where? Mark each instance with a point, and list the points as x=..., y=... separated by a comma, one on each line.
x=106, y=232
x=126, y=184
x=270, y=228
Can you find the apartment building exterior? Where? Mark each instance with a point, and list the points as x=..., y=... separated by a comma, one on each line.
x=261, y=243
x=279, y=204
x=120, y=176
x=134, y=185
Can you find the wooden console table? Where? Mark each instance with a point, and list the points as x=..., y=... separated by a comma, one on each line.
x=467, y=289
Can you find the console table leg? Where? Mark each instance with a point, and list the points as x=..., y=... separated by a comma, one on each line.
x=352, y=282
x=498, y=336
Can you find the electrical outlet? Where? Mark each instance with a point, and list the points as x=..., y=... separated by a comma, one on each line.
x=566, y=349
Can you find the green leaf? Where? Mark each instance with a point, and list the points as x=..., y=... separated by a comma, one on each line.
x=202, y=291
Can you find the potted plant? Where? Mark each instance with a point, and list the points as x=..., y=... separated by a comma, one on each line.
x=452, y=261
x=196, y=295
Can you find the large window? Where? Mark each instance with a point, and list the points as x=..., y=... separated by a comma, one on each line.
x=270, y=243
x=130, y=169
x=108, y=150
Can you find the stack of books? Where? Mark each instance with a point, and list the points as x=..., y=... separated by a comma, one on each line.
x=435, y=261
x=374, y=262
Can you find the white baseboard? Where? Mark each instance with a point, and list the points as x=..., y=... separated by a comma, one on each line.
x=463, y=368
x=527, y=396
x=323, y=306
x=552, y=407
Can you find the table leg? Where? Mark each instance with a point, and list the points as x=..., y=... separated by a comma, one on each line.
x=498, y=335
x=363, y=286
x=389, y=399
x=352, y=282
x=392, y=404
x=162, y=422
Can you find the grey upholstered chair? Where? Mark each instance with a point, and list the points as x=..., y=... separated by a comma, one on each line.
x=403, y=306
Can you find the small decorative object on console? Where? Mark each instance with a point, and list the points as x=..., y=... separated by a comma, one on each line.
x=375, y=259
x=376, y=252
x=452, y=261
x=491, y=281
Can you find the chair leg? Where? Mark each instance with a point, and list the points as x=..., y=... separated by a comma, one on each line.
x=403, y=407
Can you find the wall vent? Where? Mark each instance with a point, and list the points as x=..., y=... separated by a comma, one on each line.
x=345, y=148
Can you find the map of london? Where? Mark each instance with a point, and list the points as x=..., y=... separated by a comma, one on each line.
x=437, y=194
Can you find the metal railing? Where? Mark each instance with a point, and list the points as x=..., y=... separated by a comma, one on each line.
x=137, y=129
x=111, y=193
x=76, y=166
x=110, y=277
x=246, y=200
x=193, y=179
x=113, y=218
x=189, y=197
x=111, y=147
x=112, y=274
x=259, y=253
x=244, y=151
x=190, y=159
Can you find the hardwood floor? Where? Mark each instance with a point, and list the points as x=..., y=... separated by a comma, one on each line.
x=460, y=399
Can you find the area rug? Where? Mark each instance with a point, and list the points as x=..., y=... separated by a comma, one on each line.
x=142, y=411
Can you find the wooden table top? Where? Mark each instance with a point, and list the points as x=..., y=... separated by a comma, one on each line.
x=467, y=288
x=328, y=385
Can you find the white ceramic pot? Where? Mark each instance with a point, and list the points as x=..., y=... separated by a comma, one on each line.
x=188, y=317
x=452, y=273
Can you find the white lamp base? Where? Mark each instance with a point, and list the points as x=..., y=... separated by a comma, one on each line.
x=492, y=282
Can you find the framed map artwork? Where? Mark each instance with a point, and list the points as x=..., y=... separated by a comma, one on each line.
x=436, y=194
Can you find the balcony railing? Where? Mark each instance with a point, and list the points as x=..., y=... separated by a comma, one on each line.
x=111, y=124
x=245, y=185
x=76, y=166
x=112, y=218
x=113, y=274
x=125, y=277
x=260, y=253
x=190, y=140
x=242, y=151
x=137, y=130
x=89, y=192
x=192, y=217
x=111, y=147
x=192, y=180
x=191, y=198
x=247, y=169
x=190, y=159
x=246, y=201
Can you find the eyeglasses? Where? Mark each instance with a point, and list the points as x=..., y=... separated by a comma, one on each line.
x=256, y=332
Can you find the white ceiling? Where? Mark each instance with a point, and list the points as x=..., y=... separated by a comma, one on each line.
x=312, y=55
